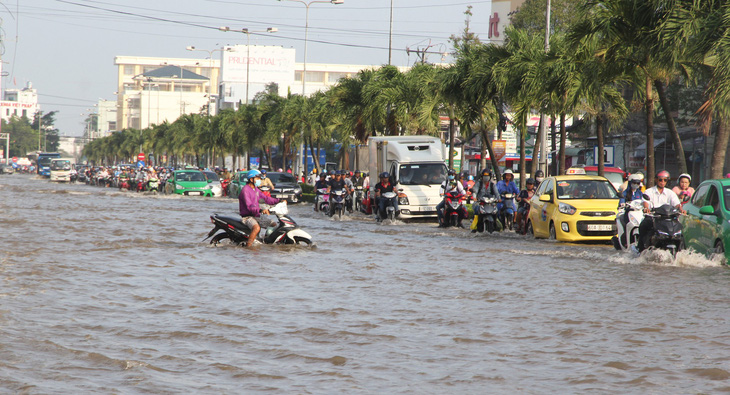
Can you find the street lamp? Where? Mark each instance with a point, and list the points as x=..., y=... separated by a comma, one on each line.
x=304, y=71
x=248, y=32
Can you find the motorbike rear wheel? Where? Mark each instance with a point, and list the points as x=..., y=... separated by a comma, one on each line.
x=218, y=238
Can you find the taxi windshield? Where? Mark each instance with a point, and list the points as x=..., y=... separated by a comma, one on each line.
x=585, y=189
x=190, y=176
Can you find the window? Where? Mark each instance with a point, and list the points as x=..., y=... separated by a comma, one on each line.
x=714, y=199
x=585, y=189
x=315, y=76
x=549, y=189
x=726, y=197
x=699, y=197
x=147, y=69
x=297, y=76
x=25, y=113
x=422, y=174
x=112, y=125
x=332, y=78
x=128, y=69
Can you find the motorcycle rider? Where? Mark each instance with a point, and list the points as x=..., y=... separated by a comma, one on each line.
x=380, y=188
x=507, y=185
x=683, y=190
x=266, y=181
x=523, y=202
x=248, y=204
x=539, y=176
x=350, y=190
x=336, y=183
x=633, y=190
x=448, y=186
x=659, y=195
x=485, y=187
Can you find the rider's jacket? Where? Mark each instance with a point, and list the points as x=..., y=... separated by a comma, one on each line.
x=489, y=191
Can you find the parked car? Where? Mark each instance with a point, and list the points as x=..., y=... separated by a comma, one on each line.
x=189, y=183
x=215, y=183
x=706, y=227
x=574, y=208
x=285, y=187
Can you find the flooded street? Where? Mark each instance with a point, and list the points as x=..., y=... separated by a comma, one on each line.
x=104, y=291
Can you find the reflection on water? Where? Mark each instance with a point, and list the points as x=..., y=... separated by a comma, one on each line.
x=108, y=291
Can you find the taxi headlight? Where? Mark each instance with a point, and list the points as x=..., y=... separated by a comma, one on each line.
x=566, y=209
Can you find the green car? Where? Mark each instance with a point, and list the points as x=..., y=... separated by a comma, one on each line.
x=237, y=182
x=706, y=227
x=189, y=183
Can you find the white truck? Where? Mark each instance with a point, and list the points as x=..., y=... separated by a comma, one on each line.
x=61, y=169
x=416, y=166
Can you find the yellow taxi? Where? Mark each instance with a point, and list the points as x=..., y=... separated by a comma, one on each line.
x=574, y=208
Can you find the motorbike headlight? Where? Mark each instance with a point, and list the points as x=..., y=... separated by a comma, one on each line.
x=566, y=209
x=178, y=186
x=403, y=199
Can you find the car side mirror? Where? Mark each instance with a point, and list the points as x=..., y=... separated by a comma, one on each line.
x=545, y=198
x=707, y=210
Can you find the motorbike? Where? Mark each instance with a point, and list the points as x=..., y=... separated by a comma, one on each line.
x=359, y=195
x=337, y=203
x=73, y=177
x=667, y=234
x=487, y=210
x=140, y=186
x=231, y=228
x=628, y=232
x=123, y=183
x=322, y=200
x=454, y=205
x=507, y=214
x=225, y=183
x=153, y=184
x=389, y=207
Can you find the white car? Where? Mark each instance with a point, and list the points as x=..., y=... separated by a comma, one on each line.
x=215, y=185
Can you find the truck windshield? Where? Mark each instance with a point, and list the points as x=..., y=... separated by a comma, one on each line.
x=60, y=165
x=422, y=173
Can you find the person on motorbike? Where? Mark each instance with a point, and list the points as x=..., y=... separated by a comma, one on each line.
x=659, y=195
x=507, y=185
x=539, y=176
x=337, y=183
x=382, y=187
x=449, y=186
x=633, y=189
x=523, y=204
x=248, y=205
x=358, y=180
x=350, y=190
x=266, y=181
x=683, y=190
x=485, y=187
x=320, y=184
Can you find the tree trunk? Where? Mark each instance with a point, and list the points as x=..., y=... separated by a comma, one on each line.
x=599, y=135
x=649, y=157
x=304, y=157
x=451, y=137
x=316, y=159
x=522, y=158
x=535, y=164
x=720, y=149
x=676, y=141
x=561, y=159
x=483, y=151
x=553, y=145
x=495, y=165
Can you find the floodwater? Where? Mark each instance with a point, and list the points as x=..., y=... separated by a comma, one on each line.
x=104, y=291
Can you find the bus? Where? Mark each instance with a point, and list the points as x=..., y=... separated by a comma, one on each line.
x=44, y=162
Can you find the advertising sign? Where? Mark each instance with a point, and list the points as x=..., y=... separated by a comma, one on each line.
x=500, y=150
x=607, y=155
x=253, y=68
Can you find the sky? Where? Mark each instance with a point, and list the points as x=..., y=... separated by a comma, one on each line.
x=66, y=48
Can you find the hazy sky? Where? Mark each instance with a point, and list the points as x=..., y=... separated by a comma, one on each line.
x=66, y=48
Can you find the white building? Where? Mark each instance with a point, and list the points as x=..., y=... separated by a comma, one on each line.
x=499, y=18
x=19, y=103
x=106, y=119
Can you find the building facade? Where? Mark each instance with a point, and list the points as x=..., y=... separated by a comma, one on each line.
x=19, y=103
x=499, y=18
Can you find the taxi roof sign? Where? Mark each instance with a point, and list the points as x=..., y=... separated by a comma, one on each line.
x=575, y=170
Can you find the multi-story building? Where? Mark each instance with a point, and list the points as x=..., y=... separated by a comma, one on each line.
x=19, y=103
x=499, y=18
x=106, y=119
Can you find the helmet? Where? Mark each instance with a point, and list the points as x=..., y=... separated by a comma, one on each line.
x=340, y=172
x=662, y=174
x=636, y=177
x=539, y=173
x=486, y=173
x=384, y=175
x=253, y=173
x=451, y=174
x=508, y=171
x=471, y=178
x=263, y=171
x=314, y=170
x=332, y=172
x=530, y=181
x=685, y=175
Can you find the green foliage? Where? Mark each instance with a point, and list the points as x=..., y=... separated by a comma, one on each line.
x=530, y=16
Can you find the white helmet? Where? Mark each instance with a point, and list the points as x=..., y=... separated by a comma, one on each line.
x=636, y=177
x=685, y=175
x=508, y=171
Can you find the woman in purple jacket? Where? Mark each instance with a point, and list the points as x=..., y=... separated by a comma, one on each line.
x=248, y=204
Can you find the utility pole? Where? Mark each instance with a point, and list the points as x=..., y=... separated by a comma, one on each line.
x=543, y=118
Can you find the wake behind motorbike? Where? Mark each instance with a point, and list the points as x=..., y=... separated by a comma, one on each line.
x=487, y=211
x=507, y=213
x=231, y=228
x=667, y=233
x=453, y=207
x=628, y=232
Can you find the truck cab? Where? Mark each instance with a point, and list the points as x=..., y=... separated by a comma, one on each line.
x=61, y=169
x=417, y=169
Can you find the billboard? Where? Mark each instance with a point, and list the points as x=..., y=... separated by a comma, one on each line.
x=254, y=66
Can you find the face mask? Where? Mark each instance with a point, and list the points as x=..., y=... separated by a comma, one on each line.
x=257, y=183
x=634, y=186
x=451, y=177
x=539, y=179
x=486, y=179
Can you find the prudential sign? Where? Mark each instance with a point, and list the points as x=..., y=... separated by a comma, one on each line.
x=255, y=66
